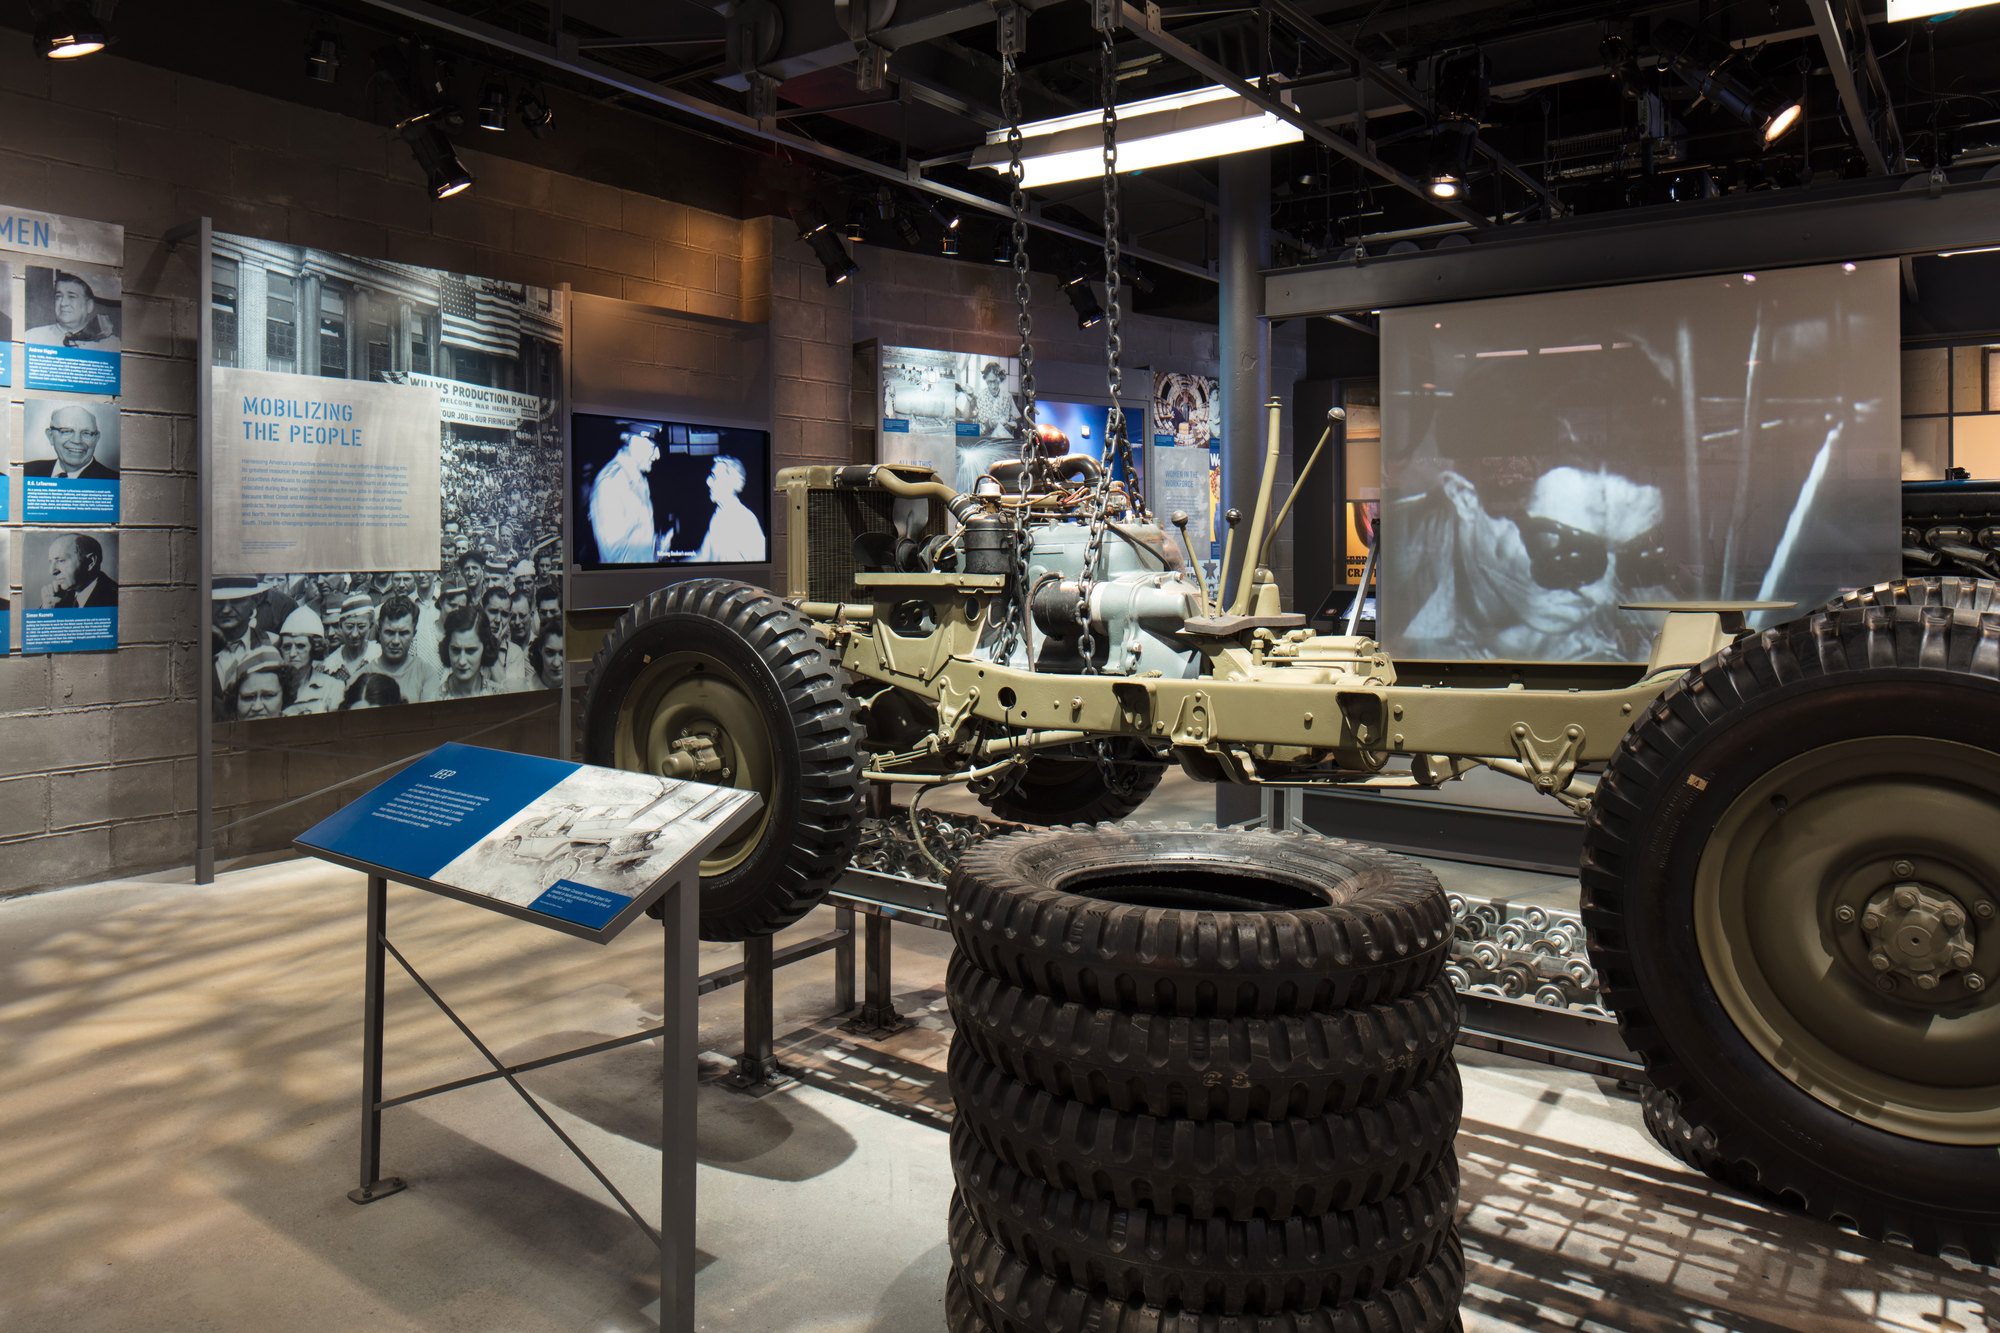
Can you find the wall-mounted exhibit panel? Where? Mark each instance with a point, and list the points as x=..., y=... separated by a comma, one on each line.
x=1547, y=458
x=61, y=370
x=386, y=481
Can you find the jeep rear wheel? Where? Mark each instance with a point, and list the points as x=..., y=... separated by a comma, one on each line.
x=1792, y=887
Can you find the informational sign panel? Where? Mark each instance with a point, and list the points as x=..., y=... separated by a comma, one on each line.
x=577, y=848
x=387, y=482
x=61, y=353
x=323, y=473
x=1547, y=459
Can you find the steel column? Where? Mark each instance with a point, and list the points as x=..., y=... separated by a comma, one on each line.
x=757, y=1068
x=843, y=960
x=1246, y=338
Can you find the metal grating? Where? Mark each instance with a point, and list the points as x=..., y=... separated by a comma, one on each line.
x=835, y=518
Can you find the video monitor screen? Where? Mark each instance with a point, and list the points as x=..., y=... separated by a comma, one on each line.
x=668, y=493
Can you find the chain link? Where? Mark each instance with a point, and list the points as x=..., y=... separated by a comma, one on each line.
x=1114, y=429
x=1014, y=618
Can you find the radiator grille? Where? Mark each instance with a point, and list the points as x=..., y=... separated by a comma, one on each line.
x=834, y=518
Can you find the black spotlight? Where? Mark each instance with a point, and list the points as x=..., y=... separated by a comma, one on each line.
x=443, y=172
x=948, y=245
x=1461, y=90
x=536, y=113
x=826, y=246
x=323, y=57
x=493, y=108
x=70, y=30
x=906, y=228
x=1083, y=298
x=1710, y=68
x=1451, y=157
x=1003, y=247
x=856, y=230
x=946, y=218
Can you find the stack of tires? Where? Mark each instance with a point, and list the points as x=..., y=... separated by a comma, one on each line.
x=1204, y=1082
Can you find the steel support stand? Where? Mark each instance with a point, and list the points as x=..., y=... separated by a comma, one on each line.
x=758, y=1072
x=373, y=1186
x=678, y=1055
x=878, y=1016
x=843, y=961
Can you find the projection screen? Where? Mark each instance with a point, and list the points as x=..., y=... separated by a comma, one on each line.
x=1546, y=458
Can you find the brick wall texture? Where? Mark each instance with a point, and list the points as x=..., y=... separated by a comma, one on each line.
x=97, y=766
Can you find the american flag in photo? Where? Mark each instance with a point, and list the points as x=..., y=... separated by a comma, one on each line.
x=481, y=316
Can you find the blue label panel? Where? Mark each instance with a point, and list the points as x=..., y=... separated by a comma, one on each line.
x=6, y=494
x=568, y=900
x=84, y=500
x=1163, y=441
x=966, y=428
x=7, y=364
x=419, y=821
x=70, y=629
x=896, y=425
x=76, y=369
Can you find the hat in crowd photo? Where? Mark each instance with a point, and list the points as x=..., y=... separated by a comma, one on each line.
x=304, y=620
x=454, y=587
x=524, y=569
x=497, y=567
x=258, y=659
x=233, y=589
x=357, y=603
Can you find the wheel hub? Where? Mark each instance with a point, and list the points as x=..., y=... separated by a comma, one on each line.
x=1920, y=935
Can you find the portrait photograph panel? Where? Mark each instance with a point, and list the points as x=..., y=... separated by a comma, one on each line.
x=66, y=569
x=74, y=305
x=68, y=437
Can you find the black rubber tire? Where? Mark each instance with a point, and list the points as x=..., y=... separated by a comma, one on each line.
x=1670, y=1129
x=963, y=1312
x=1902, y=670
x=1210, y=1168
x=1958, y=593
x=1067, y=789
x=1221, y=1265
x=774, y=654
x=1326, y=923
x=1290, y=1065
x=1017, y=1297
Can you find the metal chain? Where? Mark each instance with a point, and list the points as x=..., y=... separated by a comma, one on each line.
x=1014, y=618
x=1114, y=430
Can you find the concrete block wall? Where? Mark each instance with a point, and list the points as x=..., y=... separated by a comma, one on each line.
x=97, y=772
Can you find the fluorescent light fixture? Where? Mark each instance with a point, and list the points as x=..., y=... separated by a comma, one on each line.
x=1923, y=9
x=1160, y=131
x=1976, y=250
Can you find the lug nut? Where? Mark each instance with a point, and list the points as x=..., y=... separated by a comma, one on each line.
x=1974, y=982
x=1984, y=911
x=1926, y=981
x=1872, y=921
x=1906, y=898
x=1881, y=961
x=1843, y=914
x=1961, y=958
x=1952, y=919
x=1903, y=870
x=1885, y=982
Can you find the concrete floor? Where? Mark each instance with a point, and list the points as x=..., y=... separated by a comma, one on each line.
x=178, y=1129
